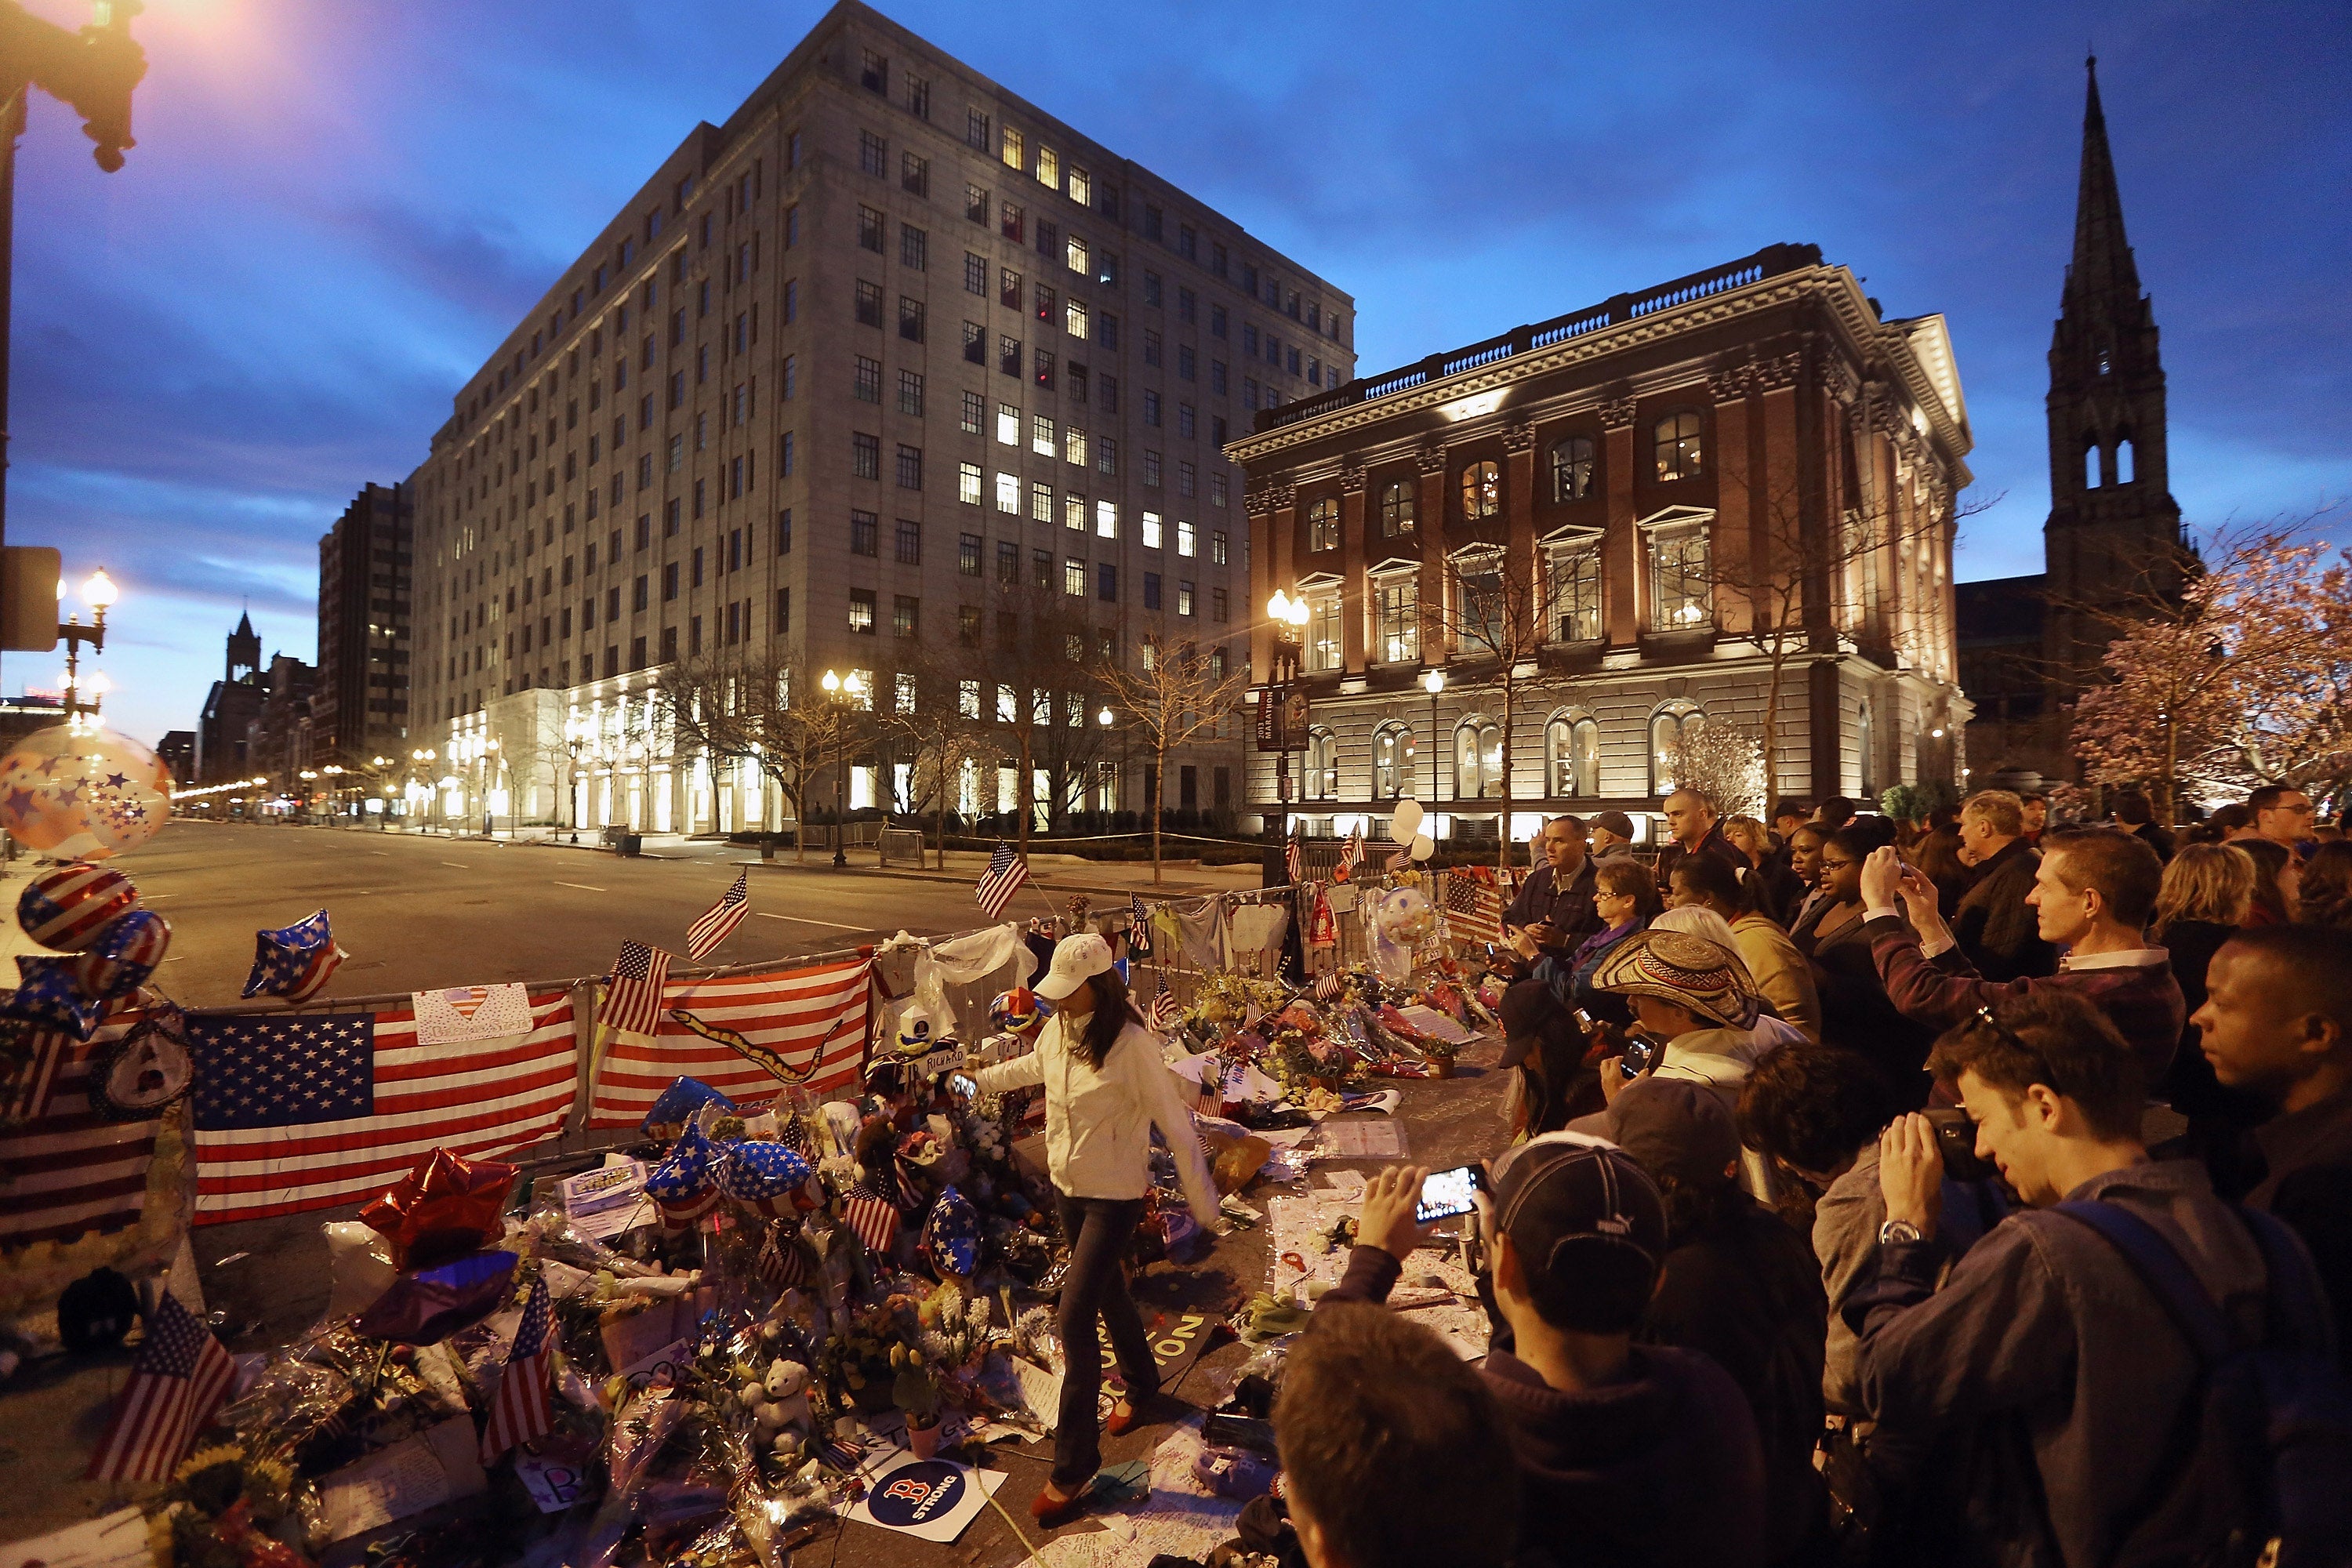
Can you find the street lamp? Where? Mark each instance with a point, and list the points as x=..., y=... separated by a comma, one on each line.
x=1288, y=615
x=83, y=696
x=840, y=690
x=1433, y=680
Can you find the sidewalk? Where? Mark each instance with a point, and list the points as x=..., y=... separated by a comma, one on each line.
x=1052, y=872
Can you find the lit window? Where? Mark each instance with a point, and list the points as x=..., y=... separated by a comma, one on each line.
x=1184, y=538
x=1008, y=425
x=1477, y=760
x=1675, y=439
x=1151, y=531
x=1074, y=578
x=1325, y=648
x=1571, y=467
x=1074, y=513
x=1482, y=492
x=1678, y=577
x=1669, y=727
x=1396, y=610
x=1575, y=589
x=1041, y=435
x=1322, y=780
x=1397, y=502
x=1074, y=318
x=968, y=483
x=1323, y=525
x=1391, y=763
x=1572, y=756
x=1008, y=494
x=1106, y=519
x=1074, y=444
x=1040, y=501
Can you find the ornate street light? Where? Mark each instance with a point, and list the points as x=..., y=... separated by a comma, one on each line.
x=1433, y=680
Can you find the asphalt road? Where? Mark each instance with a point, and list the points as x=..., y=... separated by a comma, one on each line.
x=416, y=911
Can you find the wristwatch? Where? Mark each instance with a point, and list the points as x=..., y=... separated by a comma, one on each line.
x=1896, y=1230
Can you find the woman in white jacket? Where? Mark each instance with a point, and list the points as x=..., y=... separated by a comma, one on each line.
x=1107, y=1088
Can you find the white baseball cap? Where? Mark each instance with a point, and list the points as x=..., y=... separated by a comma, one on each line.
x=1077, y=959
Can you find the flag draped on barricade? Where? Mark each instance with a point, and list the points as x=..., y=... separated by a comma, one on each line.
x=315, y=1111
x=746, y=1036
x=69, y=1167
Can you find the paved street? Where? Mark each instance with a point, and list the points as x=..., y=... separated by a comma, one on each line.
x=416, y=911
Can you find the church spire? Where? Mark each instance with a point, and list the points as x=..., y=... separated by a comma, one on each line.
x=2102, y=269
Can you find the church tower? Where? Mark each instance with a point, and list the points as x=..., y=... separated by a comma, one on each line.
x=2114, y=529
x=244, y=648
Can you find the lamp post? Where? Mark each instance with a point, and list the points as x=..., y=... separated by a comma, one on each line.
x=1287, y=616
x=378, y=764
x=840, y=691
x=1433, y=680
x=99, y=592
x=490, y=780
x=423, y=754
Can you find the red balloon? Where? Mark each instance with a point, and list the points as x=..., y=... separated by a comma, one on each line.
x=446, y=1206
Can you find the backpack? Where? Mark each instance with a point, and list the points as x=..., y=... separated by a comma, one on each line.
x=2266, y=1436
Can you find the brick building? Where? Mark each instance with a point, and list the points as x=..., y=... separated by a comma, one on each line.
x=1641, y=508
x=892, y=361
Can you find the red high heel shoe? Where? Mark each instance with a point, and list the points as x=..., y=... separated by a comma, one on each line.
x=1052, y=1513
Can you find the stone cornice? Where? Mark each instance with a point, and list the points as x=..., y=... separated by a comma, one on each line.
x=1831, y=287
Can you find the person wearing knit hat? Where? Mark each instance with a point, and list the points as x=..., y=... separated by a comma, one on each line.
x=1694, y=998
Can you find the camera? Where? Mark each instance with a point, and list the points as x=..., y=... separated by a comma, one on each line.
x=1956, y=1140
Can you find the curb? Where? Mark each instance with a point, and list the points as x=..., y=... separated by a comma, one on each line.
x=1183, y=889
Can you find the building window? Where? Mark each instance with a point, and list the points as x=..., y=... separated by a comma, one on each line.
x=1184, y=602
x=1396, y=618
x=1482, y=492
x=865, y=534
x=1678, y=577
x=869, y=307
x=910, y=468
x=1572, y=755
x=909, y=544
x=1571, y=467
x=1151, y=531
x=1575, y=588
x=1106, y=519
x=1675, y=441
x=1150, y=602
x=1668, y=727
x=1478, y=606
x=967, y=555
x=1326, y=645
x=968, y=636
x=1074, y=578
x=1323, y=525
x=1322, y=780
x=1397, y=503
x=910, y=318
x=906, y=619
x=1040, y=501
x=869, y=230
x=1477, y=760
x=1219, y=546
x=866, y=385
x=1008, y=495
x=1008, y=562
x=968, y=483
x=1184, y=538
x=1391, y=761
x=911, y=392
x=864, y=461
x=861, y=611
x=1041, y=435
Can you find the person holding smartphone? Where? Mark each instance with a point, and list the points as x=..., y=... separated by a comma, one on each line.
x=1107, y=1089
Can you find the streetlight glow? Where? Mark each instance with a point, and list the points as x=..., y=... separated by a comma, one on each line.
x=100, y=590
x=1278, y=608
x=1104, y=717
x=1433, y=681
x=831, y=682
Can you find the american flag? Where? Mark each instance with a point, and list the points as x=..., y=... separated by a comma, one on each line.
x=719, y=921
x=1163, y=1012
x=872, y=1216
x=782, y=1264
x=633, y=1001
x=1328, y=986
x=1138, y=931
x=746, y=1036
x=520, y=1411
x=1473, y=909
x=296, y=1113
x=1294, y=857
x=181, y=1378
x=1351, y=852
x=67, y=1167
x=1006, y=871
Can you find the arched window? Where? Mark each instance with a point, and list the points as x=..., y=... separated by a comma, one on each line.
x=2124, y=461
x=1572, y=755
x=1322, y=780
x=1571, y=467
x=1865, y=726
x=1397, y=503
x=1477, y=760
x=1675, y=440
x=2090, y=463
x=1323, y=525
x=1391, y=763
x=1669, y=726
x=1482, y=492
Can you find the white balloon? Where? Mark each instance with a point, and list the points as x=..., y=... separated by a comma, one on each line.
x=1406, y=822
x=1423, y=847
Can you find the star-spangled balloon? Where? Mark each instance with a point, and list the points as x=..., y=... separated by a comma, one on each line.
x=124, y=955
x=82, y=794
x=765, y=1177
x=951, y=1235
x=685, y=1187
x=67, y=907
x=676, y=1105
x=294, y=962
x=51, y=998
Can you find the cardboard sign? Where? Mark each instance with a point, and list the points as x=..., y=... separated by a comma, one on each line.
x=556, y=1479
x=433, y=1467
x=932, y=1499
x=608, y=1200
x=118, y=1540
x=470, y=1013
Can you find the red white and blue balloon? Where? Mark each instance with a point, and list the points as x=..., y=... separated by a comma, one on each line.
x=83, y=794
x=124, y=955
x=49, y=997
x=765, y=1177
x=294, y=962
x=685, y=1187
x=66, y=907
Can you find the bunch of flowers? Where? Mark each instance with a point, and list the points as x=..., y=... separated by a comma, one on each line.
x=230, y=1507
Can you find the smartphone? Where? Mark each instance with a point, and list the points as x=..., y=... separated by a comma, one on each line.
x=1446, y=1194
x=1223, y=1431
x=1956, y=1140
x=1640, y=1056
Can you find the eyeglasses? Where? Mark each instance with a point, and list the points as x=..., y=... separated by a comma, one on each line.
x=1830, y=865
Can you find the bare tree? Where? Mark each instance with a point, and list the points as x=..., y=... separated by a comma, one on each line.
x=930, y=717
x=1041, y=666
x=1172, y=698
x=1499, y=612
x=755, y=706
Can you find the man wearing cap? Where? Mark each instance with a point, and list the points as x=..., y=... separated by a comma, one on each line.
x=1737, y=1283
x=1554, y=905
x=1611, y=836
x=1627, y=1452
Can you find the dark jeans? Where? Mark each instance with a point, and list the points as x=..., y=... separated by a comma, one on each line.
x=1099, y=1230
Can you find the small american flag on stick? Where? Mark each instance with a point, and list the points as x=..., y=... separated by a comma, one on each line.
x=520, y=1411
x=1351, y=852
x=1294, y=857
x=633, y=1001
x=1328, y=986
x=1006, y=871
x=1163, y=1012
x=719, y=921
x=1473, y=909
x=872, y=1216
x=180, y=1380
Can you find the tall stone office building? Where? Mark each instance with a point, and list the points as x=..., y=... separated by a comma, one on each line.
x=893, y=359
x=1676, y=508
x=366, y=564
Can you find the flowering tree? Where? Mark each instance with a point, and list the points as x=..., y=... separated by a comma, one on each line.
x=1724, y=763
x=2244, y=679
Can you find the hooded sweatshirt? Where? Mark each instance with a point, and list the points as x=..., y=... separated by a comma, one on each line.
x=1660, y=1469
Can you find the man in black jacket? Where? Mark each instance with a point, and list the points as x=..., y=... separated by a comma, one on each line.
x=1691, y=819
x=1555, y=903
x=1997, y=930
x=1636, y=1456
x=1737, y=1283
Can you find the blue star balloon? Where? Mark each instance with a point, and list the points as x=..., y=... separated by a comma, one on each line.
x=951, y=1235
x=294, y=962
x=51, y=998
x=676, y=1105
x=685, y=1187
x=765, y=1177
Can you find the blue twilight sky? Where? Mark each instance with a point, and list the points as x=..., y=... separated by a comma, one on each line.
x=337, y=206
